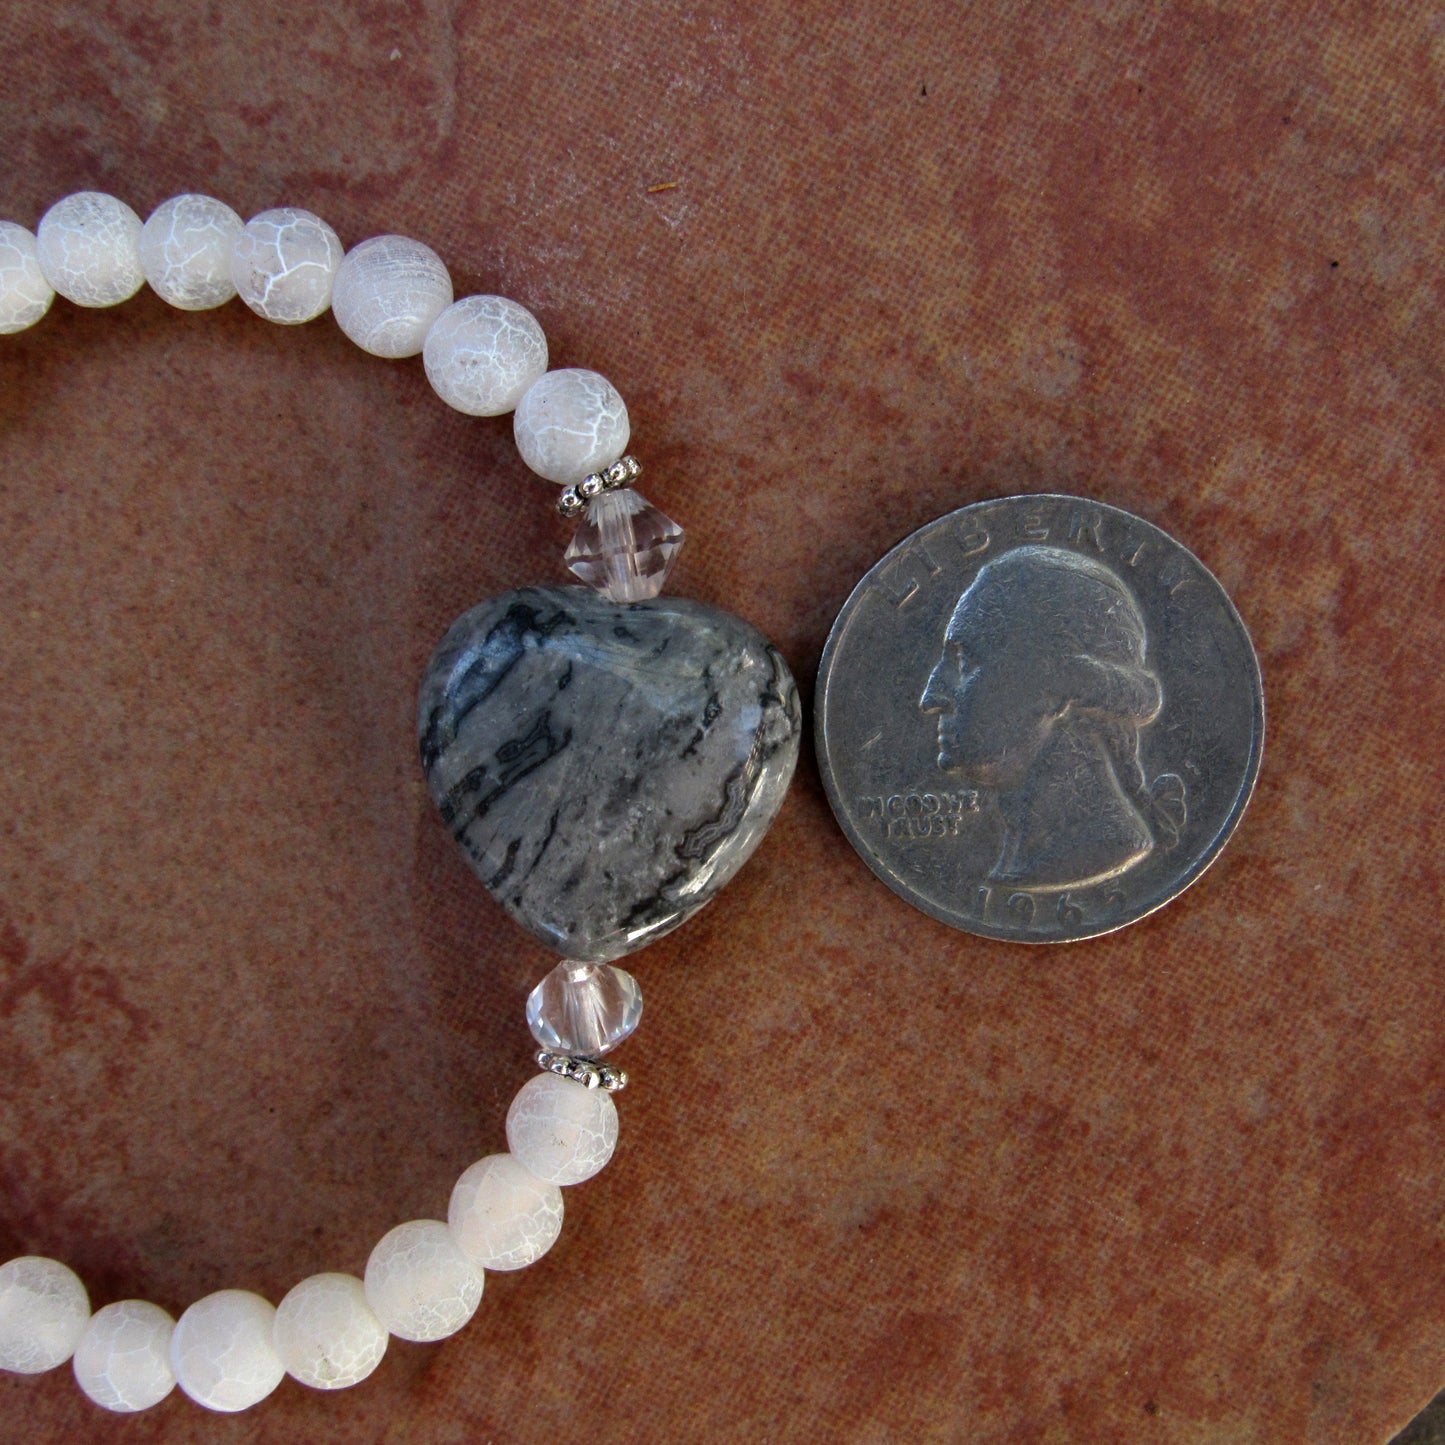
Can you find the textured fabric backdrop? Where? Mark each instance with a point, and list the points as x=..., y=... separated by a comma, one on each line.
x=878, y=1181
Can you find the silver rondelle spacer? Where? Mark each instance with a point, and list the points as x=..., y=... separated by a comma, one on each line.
x=622, y=473
x=584, y=1071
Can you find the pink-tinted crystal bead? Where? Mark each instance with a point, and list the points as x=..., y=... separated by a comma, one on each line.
x=624, y=546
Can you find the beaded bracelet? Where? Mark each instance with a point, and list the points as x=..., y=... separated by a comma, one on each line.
x=484, y=356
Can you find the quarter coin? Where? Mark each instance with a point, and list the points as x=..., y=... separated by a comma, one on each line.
x=1039, y=718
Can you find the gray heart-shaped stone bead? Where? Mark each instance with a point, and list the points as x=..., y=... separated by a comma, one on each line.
x=606, y=767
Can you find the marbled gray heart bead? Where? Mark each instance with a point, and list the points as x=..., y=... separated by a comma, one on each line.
x=606, y=768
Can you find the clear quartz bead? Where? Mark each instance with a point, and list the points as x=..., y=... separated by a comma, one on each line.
x=624, y=546
x=584, y=1008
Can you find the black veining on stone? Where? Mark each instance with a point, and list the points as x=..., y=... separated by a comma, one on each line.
x=606, y=768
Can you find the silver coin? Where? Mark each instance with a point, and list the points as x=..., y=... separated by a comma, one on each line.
x=1039, y=718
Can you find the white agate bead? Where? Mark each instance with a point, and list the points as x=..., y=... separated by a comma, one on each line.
x=325, y=1333
x=25, y=294
x=561, y=1130
x=283, y=264
x=419, y=1283
x=502, y=1216
x=483, y=353
x=123, y=1360
x=388, y=291
x=43, y=1312
x=222, y=1351
x=570, y=423
x=185, y=248
x=89, y=247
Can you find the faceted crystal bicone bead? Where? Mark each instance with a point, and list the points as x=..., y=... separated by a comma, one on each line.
x=624, y=547
x=584, y=1008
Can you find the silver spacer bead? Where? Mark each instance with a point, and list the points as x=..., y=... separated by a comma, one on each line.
x=622, y=473
x=584, y=1071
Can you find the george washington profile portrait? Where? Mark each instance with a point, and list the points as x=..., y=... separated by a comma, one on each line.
x=1041, y=692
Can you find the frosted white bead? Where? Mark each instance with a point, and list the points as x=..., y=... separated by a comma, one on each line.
x=419, y=1283
x=570, y=423
x=222, y=1352
x=283, y=264
x=561, y=1130
x=123, y=1360
x=185, y=248
x=388, y=291
x=89, y=247
x=43, y=1310
x=483, y=353
x=25, y=294
x=502, y=1216
x=326, y=1333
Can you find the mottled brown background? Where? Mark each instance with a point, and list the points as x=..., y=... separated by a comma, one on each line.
x=878, y=1181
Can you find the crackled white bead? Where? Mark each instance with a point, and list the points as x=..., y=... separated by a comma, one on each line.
x=222, y=1351
x=43, y=1311
x=89, y=247
x=123, y=1360
x=419, y=1284
x=25, y=294
x=185, y=248
x=283, y=264
x=502, y=1216
x=387, y=293
x=326, y=1333
x=561, y=1130
x=570, y=423
x=483, y=353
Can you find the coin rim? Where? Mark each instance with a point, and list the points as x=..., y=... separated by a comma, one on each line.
x=1189, y=878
